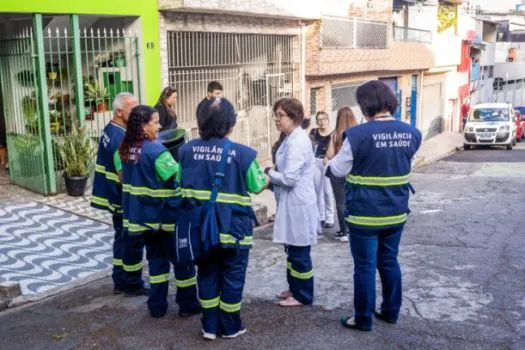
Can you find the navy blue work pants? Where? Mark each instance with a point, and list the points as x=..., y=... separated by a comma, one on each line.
x=119, y=279
x=221, y=280
x=371, y=250
x=300, y=274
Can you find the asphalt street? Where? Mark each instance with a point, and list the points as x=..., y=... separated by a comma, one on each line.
x=463, y=262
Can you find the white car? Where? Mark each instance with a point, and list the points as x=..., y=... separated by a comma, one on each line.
x=490, y=124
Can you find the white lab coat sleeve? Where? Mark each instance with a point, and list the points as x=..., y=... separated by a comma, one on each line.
x=294, y=162
x=341, y=164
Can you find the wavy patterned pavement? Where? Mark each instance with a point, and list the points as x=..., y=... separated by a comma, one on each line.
x=43, y=247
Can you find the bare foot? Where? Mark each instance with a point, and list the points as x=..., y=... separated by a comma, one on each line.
x=290, y=302
x=284, y=295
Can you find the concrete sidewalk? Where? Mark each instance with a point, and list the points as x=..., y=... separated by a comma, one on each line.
x=438, y=147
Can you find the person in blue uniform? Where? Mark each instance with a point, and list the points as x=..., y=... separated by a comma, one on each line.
x=107, y=189
x=376, y=158
x=221, y=274
x=150, y=202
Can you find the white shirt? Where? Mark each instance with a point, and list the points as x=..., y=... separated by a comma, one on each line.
x=341, y=164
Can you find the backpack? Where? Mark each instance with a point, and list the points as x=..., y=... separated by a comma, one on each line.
x=197, y=229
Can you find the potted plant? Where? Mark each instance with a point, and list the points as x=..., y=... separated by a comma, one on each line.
x=119, y=58
x=78, y=155
x=96, y=93
x=54, y=121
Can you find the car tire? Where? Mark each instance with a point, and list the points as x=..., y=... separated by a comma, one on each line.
x=509, y=147
x=466, y=147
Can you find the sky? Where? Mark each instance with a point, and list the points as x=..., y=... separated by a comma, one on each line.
x=501, y=5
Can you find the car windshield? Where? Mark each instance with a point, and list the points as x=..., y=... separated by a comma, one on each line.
x=489, y=115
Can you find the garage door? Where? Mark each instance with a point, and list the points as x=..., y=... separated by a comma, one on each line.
x=432, y=119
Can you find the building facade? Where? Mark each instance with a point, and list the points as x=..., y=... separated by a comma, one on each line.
x=61, y=65
x=356, y=41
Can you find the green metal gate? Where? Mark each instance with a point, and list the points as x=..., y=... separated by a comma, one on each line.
x=18, y=80
x=54, y=80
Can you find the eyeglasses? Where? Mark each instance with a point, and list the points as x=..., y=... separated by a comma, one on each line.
x=279, y=116
x=322, y=120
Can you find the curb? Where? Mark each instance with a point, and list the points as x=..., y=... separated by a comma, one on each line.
x=81, y=282
x=423, y=161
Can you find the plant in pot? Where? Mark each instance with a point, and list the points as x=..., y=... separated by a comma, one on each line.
x=54, y=121
x=95, y=92
x=78, y=155
x=52, y=71
x=119, y=58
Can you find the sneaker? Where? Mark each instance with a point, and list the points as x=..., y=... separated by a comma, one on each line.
x=208, y=336
x=341, y=236
x=234, y=335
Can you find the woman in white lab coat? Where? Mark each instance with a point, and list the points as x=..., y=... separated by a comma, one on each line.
x=296, y=218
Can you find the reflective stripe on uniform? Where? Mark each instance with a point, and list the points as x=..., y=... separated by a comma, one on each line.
x=221, y=197
x=117, y=262
x=133, y=268
x=186, y=283
x=104, y=202
x=209, y=303
x=108, y=174
x=151, y=192
x=156, y=279
x=377, y=220
x=300, y=275
x=378, y=180
x=131, y=227
x=229, y=239
x=231, y=308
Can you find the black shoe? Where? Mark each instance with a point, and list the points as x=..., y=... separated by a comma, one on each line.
x=117, y=290
x=189, y=312
x=382, y=317
x=349, y=322
x=144, y=290
x=328, y=225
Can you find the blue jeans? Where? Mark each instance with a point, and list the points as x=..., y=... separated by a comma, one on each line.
x=373, y=249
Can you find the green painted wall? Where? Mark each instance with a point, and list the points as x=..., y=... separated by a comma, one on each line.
x=145, y=9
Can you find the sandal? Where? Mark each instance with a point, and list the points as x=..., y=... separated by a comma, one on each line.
x=349, y=322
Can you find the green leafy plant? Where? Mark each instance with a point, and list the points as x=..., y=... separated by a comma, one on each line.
x=95, y=92
x=78, y=153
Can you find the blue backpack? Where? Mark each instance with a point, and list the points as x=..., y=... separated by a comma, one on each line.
x=197, y=229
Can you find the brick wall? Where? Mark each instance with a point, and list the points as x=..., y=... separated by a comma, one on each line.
x=274, y=8
x=399, y=56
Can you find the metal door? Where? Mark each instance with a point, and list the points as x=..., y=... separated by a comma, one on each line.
x=24, y=129
x=254, y=69
x=413, y=102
